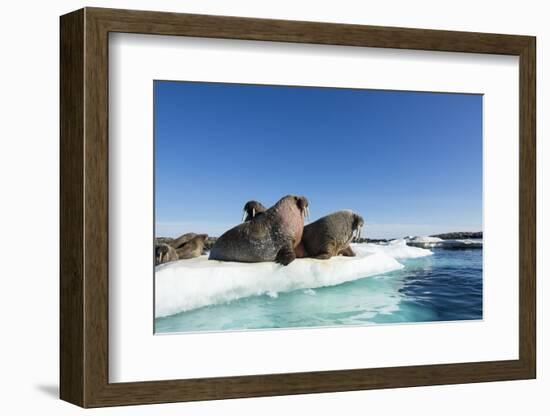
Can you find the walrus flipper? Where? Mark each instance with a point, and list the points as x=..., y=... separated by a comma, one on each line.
x=300, y=251
x=286, y=255
x=347, y=252
x=326, y=251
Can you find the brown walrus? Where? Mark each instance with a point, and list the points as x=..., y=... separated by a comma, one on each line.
x=164, y=253
x=331, y=235
x=182, y=239
x=271, y=236
x=192, y=248
x=251, y=209
x=187, y=246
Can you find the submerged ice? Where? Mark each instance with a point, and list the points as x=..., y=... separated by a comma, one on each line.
x=190, y=284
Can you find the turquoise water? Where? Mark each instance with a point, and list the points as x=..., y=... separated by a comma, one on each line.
x=446, y=286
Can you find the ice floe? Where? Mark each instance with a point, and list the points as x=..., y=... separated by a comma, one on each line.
x=189, y=284
x=432, y=242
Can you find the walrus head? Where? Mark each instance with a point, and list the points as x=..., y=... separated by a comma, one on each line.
x=164, y=253
x=301, y=202
x=357, y=225
x=251, y=209
x=161, y=250
x=291, y=203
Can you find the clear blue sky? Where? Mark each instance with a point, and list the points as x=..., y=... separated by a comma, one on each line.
x=409, y=162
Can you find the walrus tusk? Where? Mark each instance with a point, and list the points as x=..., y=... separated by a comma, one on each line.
x=356, y=234
x=253, y=212
x=244, y=215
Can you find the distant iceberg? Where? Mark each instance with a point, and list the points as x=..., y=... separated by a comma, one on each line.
x=189, y=284
x=459, y=244
x=432, y=242
x=398, y=249
x=424, y=242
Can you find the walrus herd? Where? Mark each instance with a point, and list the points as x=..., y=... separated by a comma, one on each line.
x=187, y=246
x=271, y=235
x=274, y=234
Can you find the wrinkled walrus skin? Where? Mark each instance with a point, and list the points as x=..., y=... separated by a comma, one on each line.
x=271, y=236
x=330, y=235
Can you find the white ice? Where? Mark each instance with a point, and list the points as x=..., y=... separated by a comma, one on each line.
x=398, y=249
x=189, y=284
x=431, y=242
x=425, y=240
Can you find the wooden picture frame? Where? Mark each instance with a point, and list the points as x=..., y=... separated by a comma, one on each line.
x=84, y=207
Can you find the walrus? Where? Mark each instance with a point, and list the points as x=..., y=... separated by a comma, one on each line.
x=331, y=235
x=182, y=239
x=251, y=209
x=164, y=253
x=192, y=248
x=271, y=236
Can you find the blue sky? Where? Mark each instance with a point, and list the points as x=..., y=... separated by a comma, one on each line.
x=408, y=162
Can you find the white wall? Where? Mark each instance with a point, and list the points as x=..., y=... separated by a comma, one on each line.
x=29, y=220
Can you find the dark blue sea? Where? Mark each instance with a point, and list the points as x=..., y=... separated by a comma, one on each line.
x=446, y=286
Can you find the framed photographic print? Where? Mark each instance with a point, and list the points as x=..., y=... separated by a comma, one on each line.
x=255, y=207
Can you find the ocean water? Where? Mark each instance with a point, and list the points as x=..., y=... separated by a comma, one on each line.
x=446, y=286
